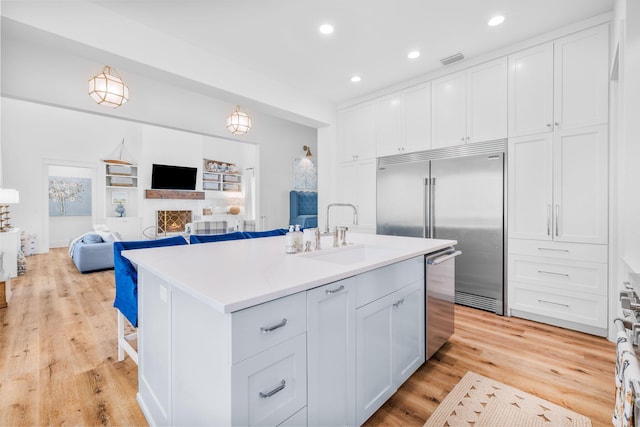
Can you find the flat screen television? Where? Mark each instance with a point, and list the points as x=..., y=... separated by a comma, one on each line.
x=168, y=177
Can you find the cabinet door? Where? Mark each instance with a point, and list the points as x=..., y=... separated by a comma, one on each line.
x=366, y=139
x=448, y=110
x=374, y=377
x=347, y=173
x=580, y=185
x=530, y=186
x=531, y=91
x=347, y=134
x=417, y=118
x=331, y=354
x=408, y=331
x=365, y=189
x=487, y=101
x=271, y=386
x=581, y=79
x=389, y=135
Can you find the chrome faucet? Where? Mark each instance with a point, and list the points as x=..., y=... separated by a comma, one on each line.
x=355, y=214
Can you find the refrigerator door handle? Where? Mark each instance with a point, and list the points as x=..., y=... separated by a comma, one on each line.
x=432, y=203
x=427, y=208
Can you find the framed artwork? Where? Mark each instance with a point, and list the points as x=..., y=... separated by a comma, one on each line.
x=119, y=197
x=69, y=196
x=305, y=174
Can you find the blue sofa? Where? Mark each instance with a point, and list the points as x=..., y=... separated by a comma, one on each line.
x=303, y=208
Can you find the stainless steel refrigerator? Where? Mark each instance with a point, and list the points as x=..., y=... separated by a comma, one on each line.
x=455, y=193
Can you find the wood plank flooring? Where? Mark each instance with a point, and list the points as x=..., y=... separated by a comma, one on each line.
x=58, y=358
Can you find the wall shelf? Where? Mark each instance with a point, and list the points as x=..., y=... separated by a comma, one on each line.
x=174, y=194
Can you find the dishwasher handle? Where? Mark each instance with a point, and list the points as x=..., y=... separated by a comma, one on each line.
x=443, y=258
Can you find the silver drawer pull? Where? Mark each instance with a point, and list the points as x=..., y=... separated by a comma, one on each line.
x=274, y=327
x=334, y=291
x=397, y=303
x=280, y=387
x=551, y=249
x=554, y=303
x=553, y=272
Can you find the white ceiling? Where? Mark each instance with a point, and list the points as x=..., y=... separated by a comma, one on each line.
x=280, y=38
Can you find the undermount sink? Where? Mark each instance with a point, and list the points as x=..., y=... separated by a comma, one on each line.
x=350, y=254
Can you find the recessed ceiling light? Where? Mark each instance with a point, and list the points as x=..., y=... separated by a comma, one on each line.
x=326, y=28
x=356, y=79
x=413, y=54
x=496, y=20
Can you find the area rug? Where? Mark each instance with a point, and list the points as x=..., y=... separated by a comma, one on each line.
x=477, y=401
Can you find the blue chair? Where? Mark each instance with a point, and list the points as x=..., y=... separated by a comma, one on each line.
x=268, y=233
x=303, y=208
x=126, y=276
x=206, y=238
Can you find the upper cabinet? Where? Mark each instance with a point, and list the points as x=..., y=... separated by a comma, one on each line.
x=404, y=121
x=357, y=132
x=560, y=85
x=470, y=105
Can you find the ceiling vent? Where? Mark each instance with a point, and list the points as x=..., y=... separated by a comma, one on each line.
x=451, y=59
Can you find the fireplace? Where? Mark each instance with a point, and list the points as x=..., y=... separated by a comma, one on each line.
x=172, y=221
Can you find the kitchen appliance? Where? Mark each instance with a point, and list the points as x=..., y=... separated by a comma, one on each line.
x=452, y=193
x=440, y=295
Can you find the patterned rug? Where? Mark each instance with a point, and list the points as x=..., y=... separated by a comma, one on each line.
x=477, y=401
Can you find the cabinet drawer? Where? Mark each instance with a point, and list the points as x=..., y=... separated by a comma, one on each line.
x=576, y=276
x=383, y=281
x=262, y=326
x=559, y=250
x=571, y=307
x=271, y=386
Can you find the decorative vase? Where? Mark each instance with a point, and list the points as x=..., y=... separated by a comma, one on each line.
x=120, y=209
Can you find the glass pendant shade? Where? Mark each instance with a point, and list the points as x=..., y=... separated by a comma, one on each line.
x=108, y=89
x=239, y=122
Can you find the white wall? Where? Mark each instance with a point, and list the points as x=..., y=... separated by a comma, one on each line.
x=34, y=135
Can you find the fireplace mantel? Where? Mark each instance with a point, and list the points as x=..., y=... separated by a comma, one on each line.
x=174, y=194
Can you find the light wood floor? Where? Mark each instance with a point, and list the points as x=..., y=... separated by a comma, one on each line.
x=58, y=361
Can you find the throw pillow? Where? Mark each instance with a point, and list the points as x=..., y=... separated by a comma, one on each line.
x=92, y=238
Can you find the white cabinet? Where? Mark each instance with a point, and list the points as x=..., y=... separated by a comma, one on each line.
x=331, y=354
x=130, y=228
x=390, y=346
x=559, y=283
x=358, y=187
x=470, y=105
x=10, y=245
x=404, y=121
x=558, y=186
x=357, y=132
x=561, y=85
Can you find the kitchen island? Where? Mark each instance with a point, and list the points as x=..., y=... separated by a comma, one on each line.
x=240, y=333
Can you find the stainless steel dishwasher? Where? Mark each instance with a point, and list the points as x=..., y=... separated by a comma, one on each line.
x=440, y=290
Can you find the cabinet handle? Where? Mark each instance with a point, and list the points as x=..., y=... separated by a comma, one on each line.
x=398, y=303
x=548, y=220
x=557, y=216
x=557, y=124
x=548, y=125
x=554, y=303
x=462, y=139
x=273, y=328
x=553, y=272
x=334, y=291
x=556, y=250
x=280, y=387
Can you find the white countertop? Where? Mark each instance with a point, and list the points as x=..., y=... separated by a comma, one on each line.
x=233, y=275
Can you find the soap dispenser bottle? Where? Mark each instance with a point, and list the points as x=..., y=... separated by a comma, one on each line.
x=290, y=241
x=299, y=238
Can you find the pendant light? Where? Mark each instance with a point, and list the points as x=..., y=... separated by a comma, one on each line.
x=239, y=122
x=108, y=89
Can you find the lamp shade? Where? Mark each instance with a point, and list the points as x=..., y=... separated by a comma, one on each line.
x=9, y=196
x=239, y=122
x=108, y=89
